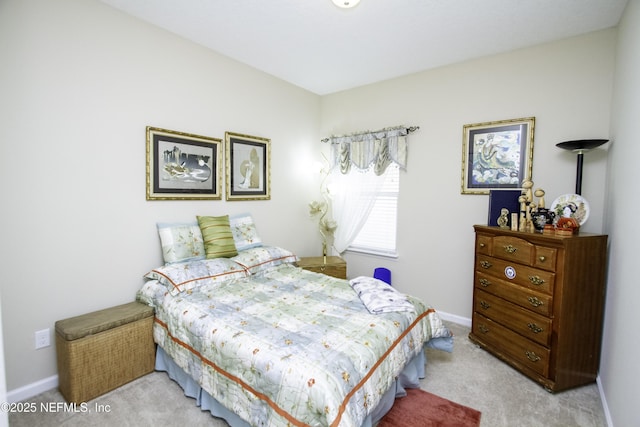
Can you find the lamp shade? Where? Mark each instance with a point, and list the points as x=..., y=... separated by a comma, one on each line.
x=580, y=146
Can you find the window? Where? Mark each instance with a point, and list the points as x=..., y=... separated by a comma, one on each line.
x=378, y=235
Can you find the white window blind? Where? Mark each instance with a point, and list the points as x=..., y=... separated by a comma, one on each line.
x=378, y=235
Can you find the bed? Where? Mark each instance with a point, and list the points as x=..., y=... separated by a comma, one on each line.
x=258, y=341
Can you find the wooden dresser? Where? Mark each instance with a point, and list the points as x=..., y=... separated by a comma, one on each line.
x=335, y=266
x=538, y=303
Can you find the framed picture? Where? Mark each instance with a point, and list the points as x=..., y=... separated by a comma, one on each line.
x=182, y=166
x=497, y=155
x=248, y=167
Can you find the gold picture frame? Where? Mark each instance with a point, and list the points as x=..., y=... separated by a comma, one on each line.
x=497, y=155
x=183, y=166
x=248, y=167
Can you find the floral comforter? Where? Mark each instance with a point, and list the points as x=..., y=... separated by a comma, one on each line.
x=289, y=346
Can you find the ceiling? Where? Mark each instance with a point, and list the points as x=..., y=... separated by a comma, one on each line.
x=324, y=49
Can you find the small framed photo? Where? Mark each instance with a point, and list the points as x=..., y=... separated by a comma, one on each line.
x=497, y=155
x=248, y=166
x=182, y=166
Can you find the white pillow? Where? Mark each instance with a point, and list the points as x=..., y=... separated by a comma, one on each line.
x=258, y=259
x=244, y=231
x=185, y=276
x=181, y=242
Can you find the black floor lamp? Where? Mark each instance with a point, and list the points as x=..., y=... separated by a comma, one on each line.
x=580, y=146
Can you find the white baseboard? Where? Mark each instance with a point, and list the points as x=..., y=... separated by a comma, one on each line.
x=464, y=321
x=32, y=389
x=605, y=407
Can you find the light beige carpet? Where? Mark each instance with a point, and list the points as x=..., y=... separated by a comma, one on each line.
x=469, y=376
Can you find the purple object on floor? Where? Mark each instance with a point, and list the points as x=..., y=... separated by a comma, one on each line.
x=383, y=274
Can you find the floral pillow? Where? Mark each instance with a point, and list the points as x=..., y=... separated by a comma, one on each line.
x=181, y=277
x=244, y=231
x=258, y=259
x=181, y=242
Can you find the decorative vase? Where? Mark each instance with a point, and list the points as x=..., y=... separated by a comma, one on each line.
x=542, y=217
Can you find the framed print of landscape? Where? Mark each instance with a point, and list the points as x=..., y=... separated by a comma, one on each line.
x=497, y=155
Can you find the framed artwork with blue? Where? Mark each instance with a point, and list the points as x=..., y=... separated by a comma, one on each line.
x=497, y=155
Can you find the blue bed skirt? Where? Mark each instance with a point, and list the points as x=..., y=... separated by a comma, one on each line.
x=409, y=378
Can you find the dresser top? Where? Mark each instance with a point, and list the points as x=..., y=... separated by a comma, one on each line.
x=525, y=235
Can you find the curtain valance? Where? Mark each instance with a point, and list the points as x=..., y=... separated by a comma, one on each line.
x=363, y=149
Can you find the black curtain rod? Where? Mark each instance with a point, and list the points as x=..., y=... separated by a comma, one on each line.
x=409, y=129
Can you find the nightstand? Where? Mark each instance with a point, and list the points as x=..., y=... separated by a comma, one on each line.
x=335, y=266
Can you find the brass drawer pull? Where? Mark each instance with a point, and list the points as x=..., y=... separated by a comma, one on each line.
x=482, y=245
x=535, y=301
x=485, y=305
x=534, y=328
x=484, y=282
x=483, y=328
x=536, y=280
x=485, y=264
x=510, y=249
x=532, y=356
x=542, y=258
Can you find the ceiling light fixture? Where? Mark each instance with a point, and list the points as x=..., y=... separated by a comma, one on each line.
x=346, y=4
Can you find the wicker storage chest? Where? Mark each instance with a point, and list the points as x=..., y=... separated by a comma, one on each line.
x=100, y=351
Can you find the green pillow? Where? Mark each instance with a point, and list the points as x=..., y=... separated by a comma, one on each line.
x=217, y=236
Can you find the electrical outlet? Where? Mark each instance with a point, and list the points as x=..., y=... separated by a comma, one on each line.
x=42, y=338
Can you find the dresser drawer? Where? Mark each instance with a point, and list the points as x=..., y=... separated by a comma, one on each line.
x=521, y=251
x=532, y=278
x=518, y=319
x=534, y=301
x=483, y=244
x=518, y=348
x=545, y=258
x=513, y=249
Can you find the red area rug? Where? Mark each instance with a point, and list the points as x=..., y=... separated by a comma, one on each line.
x=423, y=409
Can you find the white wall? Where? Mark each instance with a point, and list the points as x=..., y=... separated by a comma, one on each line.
x=79, y=83
x=566, y=85
x=619, y=370
x=4, y=416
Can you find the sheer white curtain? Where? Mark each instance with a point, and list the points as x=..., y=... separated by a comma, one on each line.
x=358, y=164
x=352, y=197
